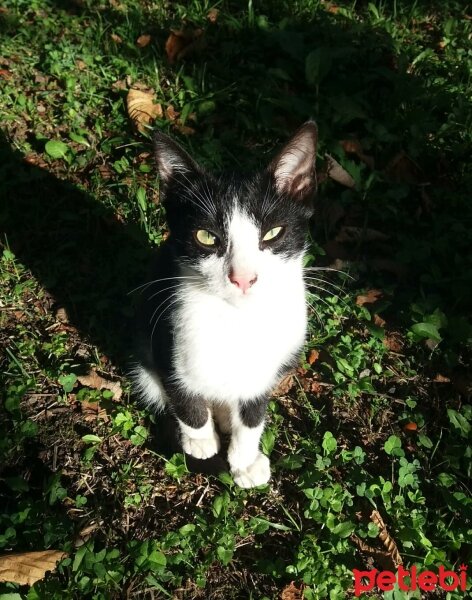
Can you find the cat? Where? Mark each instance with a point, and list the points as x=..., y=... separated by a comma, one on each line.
x=224, y=316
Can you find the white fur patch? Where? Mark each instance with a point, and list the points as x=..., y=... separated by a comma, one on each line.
x=256, y=474
x=200, y=443
x=149, y=388
x=229, y=345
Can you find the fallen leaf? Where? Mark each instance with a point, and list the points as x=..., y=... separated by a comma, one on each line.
x=182, y=42
x=97, y=382
x=316, y=387
x=441, y=378
x=393, y=342
x=171, y=113
x=93, y=411
x=379, y=321
x=387, y=540
x=353, y=146
x=5, y=74
x=369, y=297
x=143, y=40
x=212, y=15
x=61, y=315
x=80, y=64
x=285, y=385
x=338, y=173
x=292, y=592
x=313, y=356
x=28, y=567
x=185, y=129
x=116, y=38
x=410, y=426
x=142, y=109
x=119, y=85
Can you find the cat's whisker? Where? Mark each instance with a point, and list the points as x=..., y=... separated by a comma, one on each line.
x=330, y=292
x=315, y=312
x=149, y=283
x=330, y=283
x=171, y=287
x=201, y=202
x=318, y=297
x=329, y=269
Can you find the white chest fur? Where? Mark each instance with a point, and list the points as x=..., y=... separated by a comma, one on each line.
x=228, y=353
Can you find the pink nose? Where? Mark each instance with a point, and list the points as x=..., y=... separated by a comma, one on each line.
x=243, y=281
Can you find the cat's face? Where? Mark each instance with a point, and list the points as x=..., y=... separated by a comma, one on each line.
x=243, y=236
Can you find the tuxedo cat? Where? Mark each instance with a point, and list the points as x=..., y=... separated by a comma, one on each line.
x=224, y=315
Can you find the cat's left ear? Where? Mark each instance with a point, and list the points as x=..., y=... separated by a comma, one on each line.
x=293, y=169
x=171, y=158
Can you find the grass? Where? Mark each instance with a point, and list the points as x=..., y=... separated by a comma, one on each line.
x=377, y=418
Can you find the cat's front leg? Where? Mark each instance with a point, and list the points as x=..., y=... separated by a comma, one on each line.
x=249, y=467
x=197, y=428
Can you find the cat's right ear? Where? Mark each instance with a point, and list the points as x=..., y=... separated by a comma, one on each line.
x=171, y=158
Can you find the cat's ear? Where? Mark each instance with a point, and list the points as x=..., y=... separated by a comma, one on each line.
x=171, y=158
x=293, y=169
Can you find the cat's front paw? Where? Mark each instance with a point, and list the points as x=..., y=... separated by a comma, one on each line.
x=201, y=448
x=258, y=473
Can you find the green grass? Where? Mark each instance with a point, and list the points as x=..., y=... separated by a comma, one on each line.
x=379, y=415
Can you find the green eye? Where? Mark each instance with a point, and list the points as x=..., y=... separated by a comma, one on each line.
x=272, y=234
x=206, y=238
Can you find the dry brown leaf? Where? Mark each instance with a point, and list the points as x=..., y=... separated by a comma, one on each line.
x=316, y=387
x=182, y=42
x=285, y=385
x=185, y=129
x=410, y=426
x=379, y=321
x=142, y=109
x=313, y=356
x=380, y=556
x=171, y=113
x=212, y=15
x=28, y=567
x=93, y=411
x=61, y=315
x=116, y=38
x=393, y=342
x=97, y=382
x=143, y=40
x=441, y=378
x=386, y=539
x=338, y=173
x=292, y=592
x=5, y=73
x=353, y=146
x=369, y=297
x=80, y=64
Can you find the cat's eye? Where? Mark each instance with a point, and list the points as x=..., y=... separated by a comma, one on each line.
x=272, y=234
x=206, y=238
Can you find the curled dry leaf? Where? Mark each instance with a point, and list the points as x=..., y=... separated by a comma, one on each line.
x=142, y=109
x=97, y=382
x=28, y=567
x=354, y=147
x=292, y=592
x=116, y=38
x=410, y=426
x=369, y=297
x=337, y=173
x=285, y=385
x=171, y=113
x=185, y=129
x=143, y=40
x=5, y=74
x=387, y=540
x=212, y=15
x=182, y=42
x=313, y=356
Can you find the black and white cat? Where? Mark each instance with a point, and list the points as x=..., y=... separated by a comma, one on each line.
x=224, y=316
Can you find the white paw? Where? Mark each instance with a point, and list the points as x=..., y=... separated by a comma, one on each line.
x=201, y=448
x=256, y=474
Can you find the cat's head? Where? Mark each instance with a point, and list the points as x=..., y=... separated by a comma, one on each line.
x=243, y=235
